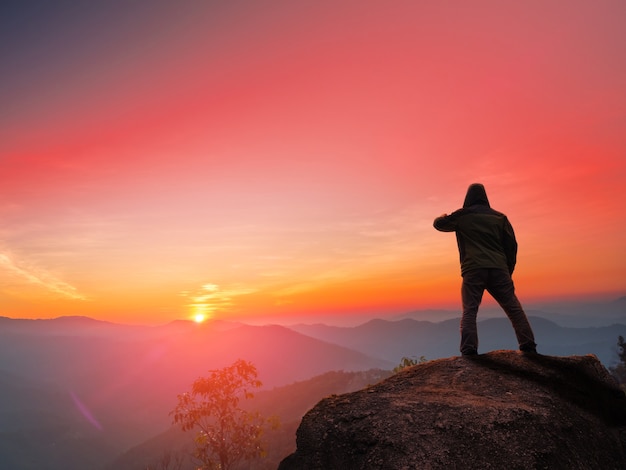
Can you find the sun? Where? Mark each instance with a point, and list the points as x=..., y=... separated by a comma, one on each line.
x=199, y=317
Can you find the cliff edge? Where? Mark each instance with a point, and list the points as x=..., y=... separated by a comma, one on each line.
x=497, y=410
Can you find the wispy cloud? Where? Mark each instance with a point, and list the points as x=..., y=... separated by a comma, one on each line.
x=40, y=278
x=210, y=298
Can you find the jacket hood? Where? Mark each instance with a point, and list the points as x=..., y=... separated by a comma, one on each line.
x=476, y=194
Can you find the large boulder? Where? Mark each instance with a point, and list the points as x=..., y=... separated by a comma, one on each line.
x=501, y=410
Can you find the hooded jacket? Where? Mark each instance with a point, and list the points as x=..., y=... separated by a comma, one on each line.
x=484, y=236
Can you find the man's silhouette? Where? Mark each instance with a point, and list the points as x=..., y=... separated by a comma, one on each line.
x=488, y=253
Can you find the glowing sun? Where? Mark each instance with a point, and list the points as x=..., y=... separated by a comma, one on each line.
x=199, y=317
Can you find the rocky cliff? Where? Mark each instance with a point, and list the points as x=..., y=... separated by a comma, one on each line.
x=492, y=411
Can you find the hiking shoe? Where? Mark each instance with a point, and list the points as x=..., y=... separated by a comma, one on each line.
x=529, y=351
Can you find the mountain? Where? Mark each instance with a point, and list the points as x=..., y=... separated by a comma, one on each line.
x=114, y=385
x=393, y=340
x=567, y=313
x=289, y=403
x=503, y=409
x=85, y=326
x=102, y=388
x=66, y=326
x=41, y=427
x=584, y=313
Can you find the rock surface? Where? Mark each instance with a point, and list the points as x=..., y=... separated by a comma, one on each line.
x=492, y=411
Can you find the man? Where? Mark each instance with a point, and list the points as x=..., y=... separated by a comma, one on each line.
x=488, y=252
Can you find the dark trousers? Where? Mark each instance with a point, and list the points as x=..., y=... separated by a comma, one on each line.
x=499, y=284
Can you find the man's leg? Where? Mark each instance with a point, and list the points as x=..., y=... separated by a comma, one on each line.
x=471, y=295
x=500, y=286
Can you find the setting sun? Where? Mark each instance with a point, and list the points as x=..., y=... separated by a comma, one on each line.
x=245, y=168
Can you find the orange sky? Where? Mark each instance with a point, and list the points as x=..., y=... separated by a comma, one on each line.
x=242, y=159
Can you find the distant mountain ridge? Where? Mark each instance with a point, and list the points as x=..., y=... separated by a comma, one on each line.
x=128, y=376
x=120, y=382
x=393, y=340
x=289, y=403
x=87, y=326
x=567, y=313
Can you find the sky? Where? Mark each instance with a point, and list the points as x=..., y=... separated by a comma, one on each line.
x=274, y=159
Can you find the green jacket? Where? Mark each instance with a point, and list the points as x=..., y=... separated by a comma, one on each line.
x=484, y=236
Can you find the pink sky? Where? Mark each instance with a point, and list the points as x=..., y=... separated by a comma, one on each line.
x=161, y=159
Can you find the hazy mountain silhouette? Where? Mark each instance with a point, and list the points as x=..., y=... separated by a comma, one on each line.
x=105, y=387
x=393, y=340
x=76, y=391
x=573, y=313
x=41, y=427
x=65, y=326
x=289, y=403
